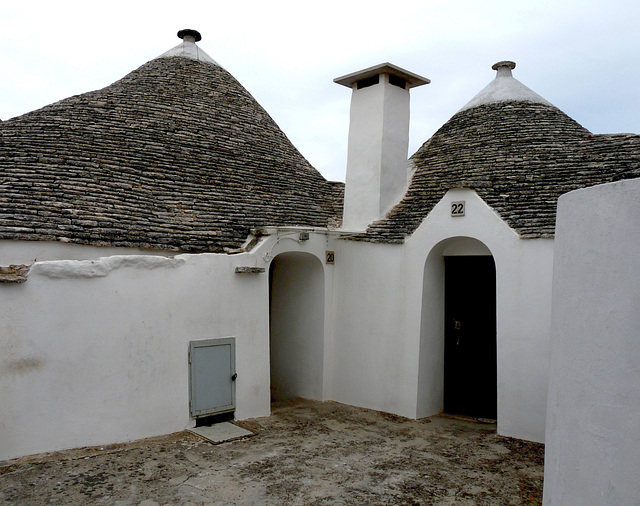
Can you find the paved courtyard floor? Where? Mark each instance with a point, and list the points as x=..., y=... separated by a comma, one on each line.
x=305, y=453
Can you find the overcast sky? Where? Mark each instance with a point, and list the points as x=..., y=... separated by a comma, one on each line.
x=581, y=55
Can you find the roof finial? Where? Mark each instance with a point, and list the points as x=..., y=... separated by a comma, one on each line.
x=504, y=88
x=188, y=47
x=189, y=35
x=504, y=63
x=504, y=68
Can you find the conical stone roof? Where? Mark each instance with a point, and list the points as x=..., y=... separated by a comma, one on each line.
x=519, y=153
x=176, y=155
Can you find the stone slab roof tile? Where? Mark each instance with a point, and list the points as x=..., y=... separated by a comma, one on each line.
x=519, y=157
x=176, y=155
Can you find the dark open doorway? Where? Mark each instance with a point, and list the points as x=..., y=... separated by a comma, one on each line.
x=296, y=326
x=470, y=375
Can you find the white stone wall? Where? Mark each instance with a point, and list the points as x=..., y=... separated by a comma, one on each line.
x=371, y=352
x=96, y=351
x=523, y=305
x=593, y=421
x=388, y=351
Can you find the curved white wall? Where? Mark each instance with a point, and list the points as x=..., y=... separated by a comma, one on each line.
x=593, y=423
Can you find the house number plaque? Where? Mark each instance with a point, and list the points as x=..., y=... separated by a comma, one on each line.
x=457, y=208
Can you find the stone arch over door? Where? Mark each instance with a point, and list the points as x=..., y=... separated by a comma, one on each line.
x=431, y=369
x=296, y=326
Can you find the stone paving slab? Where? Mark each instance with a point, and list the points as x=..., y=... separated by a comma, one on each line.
x=221, y=432
x=305, y=453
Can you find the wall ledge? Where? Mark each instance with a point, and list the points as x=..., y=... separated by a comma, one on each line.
x=14, y=273
x=249, y=270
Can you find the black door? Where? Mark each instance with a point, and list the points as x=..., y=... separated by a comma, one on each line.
x=470, y=378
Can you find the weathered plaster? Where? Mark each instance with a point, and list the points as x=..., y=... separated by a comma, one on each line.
x=102, y=267
x=28, y=252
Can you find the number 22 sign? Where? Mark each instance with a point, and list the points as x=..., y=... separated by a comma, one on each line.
x=457, y=208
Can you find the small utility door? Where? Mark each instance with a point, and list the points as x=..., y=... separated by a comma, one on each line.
x=212, y=376
x=470, y=372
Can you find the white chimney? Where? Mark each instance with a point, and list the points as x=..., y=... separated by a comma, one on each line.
x=378, y=142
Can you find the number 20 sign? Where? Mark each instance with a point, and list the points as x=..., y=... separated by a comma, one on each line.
x=457, y=208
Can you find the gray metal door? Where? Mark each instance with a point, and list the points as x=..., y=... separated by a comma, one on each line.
x=212, y=376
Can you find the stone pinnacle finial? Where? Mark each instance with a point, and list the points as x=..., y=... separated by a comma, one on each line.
x=505, y=63
x=188, y=34
x=504, y=88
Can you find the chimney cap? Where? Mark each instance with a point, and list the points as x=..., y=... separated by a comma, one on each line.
x=189, y=32
x=383, y=68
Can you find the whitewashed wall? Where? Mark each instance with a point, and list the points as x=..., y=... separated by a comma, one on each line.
x=593, y=421
x=523, y=291
x=371, y=351
x=388, y=350
x=95, y=351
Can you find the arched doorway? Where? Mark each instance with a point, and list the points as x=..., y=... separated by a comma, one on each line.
x=458, y=354
x=470, y=373
x=296, y=326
